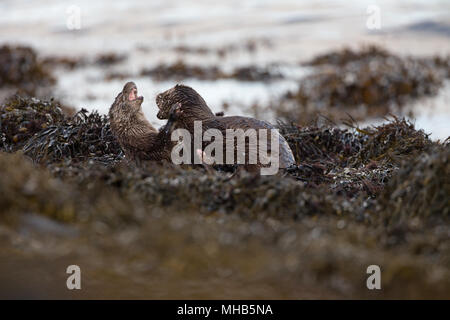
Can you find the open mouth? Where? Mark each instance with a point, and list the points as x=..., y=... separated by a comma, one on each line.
x=134, y=95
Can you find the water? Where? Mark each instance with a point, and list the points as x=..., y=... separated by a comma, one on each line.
x=286, y=32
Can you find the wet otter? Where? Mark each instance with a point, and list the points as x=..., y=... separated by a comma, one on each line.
x=195, y=108
x=137, y=137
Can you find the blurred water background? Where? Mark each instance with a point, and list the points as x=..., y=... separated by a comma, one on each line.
x=284, y=33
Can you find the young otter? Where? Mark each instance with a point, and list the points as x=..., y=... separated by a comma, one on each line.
x=137, y=137
x=195, y=108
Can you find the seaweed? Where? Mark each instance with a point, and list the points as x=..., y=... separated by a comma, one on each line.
x=180, y=70
x=252, y=73
x=391, y=143
x=347, y=55
x=108, y=59
x=65, y=62
x=356, y=197
x=46, y=131
x=85, y=136
x=21, y=118
x=26, y=188
x=22, y=69
x=365, y=83
x=102, y=60
x=249, y=46
x=353, y=160
x=349, y=162
x=420, y=188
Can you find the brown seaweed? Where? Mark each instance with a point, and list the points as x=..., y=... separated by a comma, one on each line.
x=181, y=70
x=355, y=197
x=366, y=83
x=23, y=70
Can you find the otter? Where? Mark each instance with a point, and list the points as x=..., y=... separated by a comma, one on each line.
x=194, y=108
x=137, y=137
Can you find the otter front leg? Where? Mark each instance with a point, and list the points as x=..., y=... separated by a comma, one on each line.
x=174, y=115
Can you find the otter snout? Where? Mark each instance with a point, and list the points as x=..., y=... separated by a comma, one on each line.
x=160, y=115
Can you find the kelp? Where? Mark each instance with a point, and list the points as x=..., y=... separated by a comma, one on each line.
x=85, y=136
x=347, y=55
x=420, y=188
x=21, y=118
x=392, y=142
x=21, y=67
x=180, y=70
x=366, y=83
x=355, y=197
x=351, y=162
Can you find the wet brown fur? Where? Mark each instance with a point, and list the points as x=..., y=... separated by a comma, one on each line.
x=137, y=137
x=194, y=108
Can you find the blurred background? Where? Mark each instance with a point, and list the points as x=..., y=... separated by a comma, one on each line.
x=244, y=57
x=356, y=197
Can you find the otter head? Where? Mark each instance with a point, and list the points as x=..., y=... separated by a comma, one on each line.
x=184, y=95
x=130, y=92
x=129, y=96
